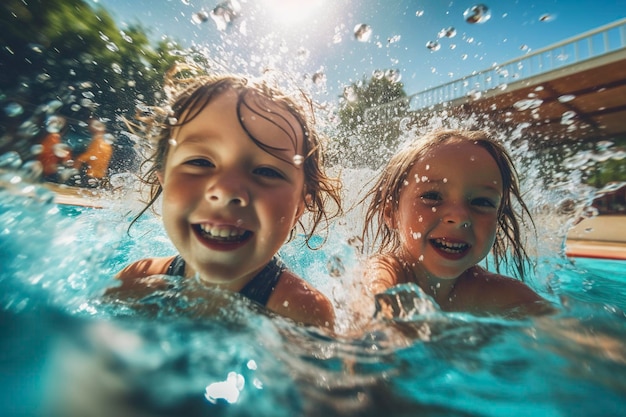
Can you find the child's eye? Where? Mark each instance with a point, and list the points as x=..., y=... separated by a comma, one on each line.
x=200, y=162
x=268, y=172
x=431, y=197
x=484, y=202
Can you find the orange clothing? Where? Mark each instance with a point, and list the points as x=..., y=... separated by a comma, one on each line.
x=50, y=160
x=96, y=157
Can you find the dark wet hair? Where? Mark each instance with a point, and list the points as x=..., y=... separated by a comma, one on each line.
x=190, y=93
x=393, y=177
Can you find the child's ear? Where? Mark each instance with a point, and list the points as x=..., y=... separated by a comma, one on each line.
x=388, y=215
x=302, y=205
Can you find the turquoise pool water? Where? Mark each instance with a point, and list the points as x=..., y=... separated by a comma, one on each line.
x=66, y=353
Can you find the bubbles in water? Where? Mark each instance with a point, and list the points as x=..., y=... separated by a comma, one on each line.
x=419, y=13
x=433, y=45
x=362, y=32
x=378, y=74
x=200, y=17
x=477, y=14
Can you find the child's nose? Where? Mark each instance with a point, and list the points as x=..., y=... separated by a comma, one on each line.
x=458, y=215
x=228, y=191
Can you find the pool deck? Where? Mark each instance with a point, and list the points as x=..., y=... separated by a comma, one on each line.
x=74, y=196
x=602, y=237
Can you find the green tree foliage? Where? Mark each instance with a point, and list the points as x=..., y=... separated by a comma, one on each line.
x=68, y=53
x=369, y=116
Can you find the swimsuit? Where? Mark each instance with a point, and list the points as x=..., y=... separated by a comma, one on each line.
x=258, y=289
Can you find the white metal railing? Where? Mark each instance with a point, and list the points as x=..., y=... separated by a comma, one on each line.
x=597, y=42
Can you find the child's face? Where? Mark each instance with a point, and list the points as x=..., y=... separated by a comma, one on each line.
x=447, y=214
x=228, y=205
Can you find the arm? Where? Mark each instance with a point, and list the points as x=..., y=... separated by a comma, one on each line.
x=136, y=278
x=500, y=294
x=295, y=299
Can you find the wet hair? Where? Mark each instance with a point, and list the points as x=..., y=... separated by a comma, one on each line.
x=189, y=93
x=393, y=177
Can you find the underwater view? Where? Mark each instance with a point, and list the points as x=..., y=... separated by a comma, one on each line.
x=81, y=81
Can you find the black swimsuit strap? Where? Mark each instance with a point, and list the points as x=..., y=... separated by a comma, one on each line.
x=263, y=284
x=259, y=289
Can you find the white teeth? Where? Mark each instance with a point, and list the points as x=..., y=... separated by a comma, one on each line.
x=221, y=231
x=450, y=246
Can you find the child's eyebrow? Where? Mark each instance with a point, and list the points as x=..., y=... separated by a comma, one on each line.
x=437, y=181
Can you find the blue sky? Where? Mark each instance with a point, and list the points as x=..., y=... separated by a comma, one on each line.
x=305, y=37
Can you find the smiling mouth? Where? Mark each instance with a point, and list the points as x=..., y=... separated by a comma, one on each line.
x=450, y=247
x=222, y=234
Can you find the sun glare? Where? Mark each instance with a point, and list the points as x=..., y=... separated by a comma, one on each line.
x=289, y=12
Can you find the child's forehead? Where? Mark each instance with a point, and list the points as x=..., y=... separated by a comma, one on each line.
x=271, y=122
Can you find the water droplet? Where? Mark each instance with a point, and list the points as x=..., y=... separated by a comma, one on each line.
x=350, y=94
x=449, y=32
x=463, y=57
x=200, y=17
x=393, y=39
x=335, y=266
x=567, y=97
x=527, y=104
x=54, y=124
x=224, y=14
x=419, y=13
x=477, y=14
x=319, y=78
x=61, y=150
x=298, y=160
x=393, y=75
x=474, y=94
x=362, y=32
x=433, y=45
x=13, y=109
x=172, y=142
x=567, y=118
x=112, y=47
x=546, y=17
x=116, y=68
x=416, y=235
x=10, y=160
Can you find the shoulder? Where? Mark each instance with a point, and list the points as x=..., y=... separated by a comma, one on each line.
x=296, y=299
x=382, y=272
x=495, y=293
x=145, y=268
x=141, y=278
